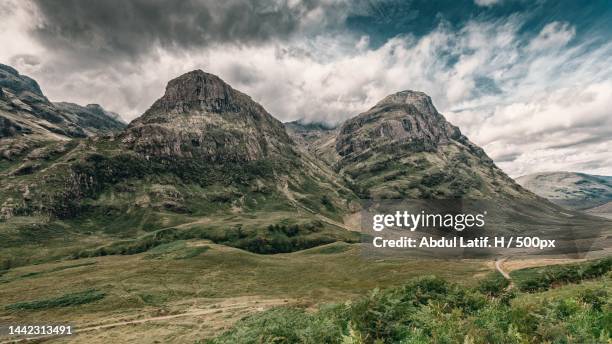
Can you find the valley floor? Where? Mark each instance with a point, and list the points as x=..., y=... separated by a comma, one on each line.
x=186, y=291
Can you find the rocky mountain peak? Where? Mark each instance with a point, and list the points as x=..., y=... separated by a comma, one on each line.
x=198, y=89
x=403, y=147
x=418, y=99
x=202, y=116
x=406, y=117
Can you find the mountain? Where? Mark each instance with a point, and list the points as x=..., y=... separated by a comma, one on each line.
x=404, y=148
x=570, y=189
x=202, y=116
x=316, y=138
x=204, y=157
x=28, y=118
x=206, y=161
x=93, y=118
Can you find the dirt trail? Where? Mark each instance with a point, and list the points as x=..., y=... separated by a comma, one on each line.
x=499, y=266
x=215, y=312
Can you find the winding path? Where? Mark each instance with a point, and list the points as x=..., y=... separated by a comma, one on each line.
x=216, y=311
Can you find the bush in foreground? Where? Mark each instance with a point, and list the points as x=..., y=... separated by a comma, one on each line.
x=432, y=310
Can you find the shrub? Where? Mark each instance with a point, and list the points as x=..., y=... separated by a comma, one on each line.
x=432, y=310
x=493, y=285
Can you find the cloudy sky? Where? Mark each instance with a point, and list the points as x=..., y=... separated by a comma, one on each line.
x=528, y=80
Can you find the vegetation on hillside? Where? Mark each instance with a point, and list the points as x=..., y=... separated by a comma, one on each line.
x=432, y=310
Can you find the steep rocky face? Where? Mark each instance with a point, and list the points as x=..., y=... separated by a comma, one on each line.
x=202, y=116
x=403, y=147
x=18, y=84
x=570, y=189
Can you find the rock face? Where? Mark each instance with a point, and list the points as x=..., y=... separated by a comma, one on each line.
x=20, y=85
x=569, y=189
x=403, y=147
x=405, y=117
x=202, y=116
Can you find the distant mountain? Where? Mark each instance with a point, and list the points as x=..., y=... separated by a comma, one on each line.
x=28, y=118
x=316, y=138
x=404, y=148
x=570, y=189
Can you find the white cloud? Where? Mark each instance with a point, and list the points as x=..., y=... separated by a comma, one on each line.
x=487, y=3
x=553, y=35
x=17, y=18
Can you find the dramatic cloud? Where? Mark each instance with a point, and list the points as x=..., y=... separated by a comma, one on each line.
x=112, y=28
x=536, y=97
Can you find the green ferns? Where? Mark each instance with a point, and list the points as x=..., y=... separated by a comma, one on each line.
x=431, y=310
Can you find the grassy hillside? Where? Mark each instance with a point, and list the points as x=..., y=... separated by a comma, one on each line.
x=86, y=197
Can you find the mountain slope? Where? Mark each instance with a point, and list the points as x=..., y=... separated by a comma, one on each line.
x=28, y=119
x=403, y=148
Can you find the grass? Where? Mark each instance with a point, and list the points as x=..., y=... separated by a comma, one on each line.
x=35, y=240
x=59, y=268
x=66, y=300
x=177, y=276
x=187, y=270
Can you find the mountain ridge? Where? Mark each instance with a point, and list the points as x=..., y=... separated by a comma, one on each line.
x=28, y=119
x=574, y=190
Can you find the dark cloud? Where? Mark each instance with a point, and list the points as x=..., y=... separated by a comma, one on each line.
x=133, y=27
x=243, y=75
